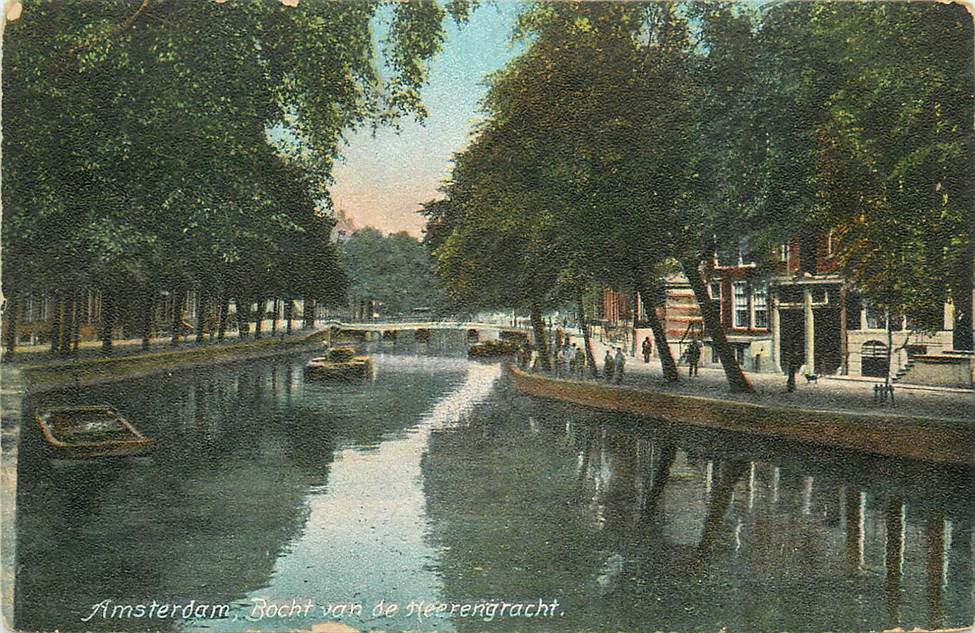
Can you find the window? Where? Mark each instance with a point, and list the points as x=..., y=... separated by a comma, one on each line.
x=831, y=243
x=784, y=252
x=740, y=303
x=876, y=319
x=745, y=256
x=760, y=305
x=715, y=290
x=790, y=294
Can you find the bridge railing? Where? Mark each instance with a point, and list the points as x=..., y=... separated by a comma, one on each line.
x=419, y=322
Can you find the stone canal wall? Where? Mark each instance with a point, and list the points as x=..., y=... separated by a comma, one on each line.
x=931, y=440
x=83, y=372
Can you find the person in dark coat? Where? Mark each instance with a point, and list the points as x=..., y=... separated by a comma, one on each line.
x=647, y=349
x=608, y=364
x=693, y=357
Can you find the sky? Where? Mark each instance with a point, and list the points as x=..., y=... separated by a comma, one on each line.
x=383, y=178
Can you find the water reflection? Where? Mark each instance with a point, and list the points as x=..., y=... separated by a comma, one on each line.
x=227, y=497
x=435, y=481
x=659, y=528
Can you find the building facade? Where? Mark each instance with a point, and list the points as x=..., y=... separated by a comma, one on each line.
x=794, y=307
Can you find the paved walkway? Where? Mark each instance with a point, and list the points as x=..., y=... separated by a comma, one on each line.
x=27, y=354
x=837, y=394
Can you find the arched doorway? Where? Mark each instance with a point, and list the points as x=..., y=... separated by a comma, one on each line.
x=873, y=360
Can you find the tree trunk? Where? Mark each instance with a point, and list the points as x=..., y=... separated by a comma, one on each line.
x=147, y=310
x=541, y=341
x=202, y=302
x=67, y=323
x=177, y=321
x=56, y=320
x=289, y=310
x=108, y=320
x=222, y=326
x=243, y=318
x=309, y=313
x=724, y=490
x=274, y=319
x=634, y=322
x=10, y=335
x=76, y=329
x=658, y=481
x=737, y=382
x=667, y=363
x=890, y=349
x=258, y=318
x=586, y=336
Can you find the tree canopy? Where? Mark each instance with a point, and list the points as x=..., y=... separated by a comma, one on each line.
x=630, y=135
x=394, y=270
x=187, y=144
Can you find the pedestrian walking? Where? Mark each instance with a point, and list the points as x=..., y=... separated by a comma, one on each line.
x=693, y=356
x=647, y=349
x=619, y=363
x=565, y=360
x=608, y=364
x=580, y=362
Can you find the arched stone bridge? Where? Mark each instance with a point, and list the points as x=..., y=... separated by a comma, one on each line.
x=391, y=330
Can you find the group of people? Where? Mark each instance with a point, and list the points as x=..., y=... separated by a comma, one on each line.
x=570, y=359
x=613, y=365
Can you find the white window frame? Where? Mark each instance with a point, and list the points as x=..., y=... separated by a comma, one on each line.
x=755, y=289
x=735, y=305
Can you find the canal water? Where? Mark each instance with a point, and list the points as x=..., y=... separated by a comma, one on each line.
x=433, y=481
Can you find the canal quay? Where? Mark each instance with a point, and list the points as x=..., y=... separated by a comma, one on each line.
x=274, y=502
x=449, y=316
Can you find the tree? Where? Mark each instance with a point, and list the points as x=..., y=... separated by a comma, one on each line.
x=501, y=253
x=898, y=187
x=394, y=270
x=137, y=139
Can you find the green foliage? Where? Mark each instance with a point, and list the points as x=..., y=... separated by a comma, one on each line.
x=138, y=150
x=395, y=270
x=628, y=135
x=870, y=133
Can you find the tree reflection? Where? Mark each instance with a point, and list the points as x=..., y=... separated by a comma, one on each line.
x=619, y=521
x=209, y=514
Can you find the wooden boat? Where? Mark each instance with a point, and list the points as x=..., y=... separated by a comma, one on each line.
x=90, y=432
x=492, y=349
x=340, y=363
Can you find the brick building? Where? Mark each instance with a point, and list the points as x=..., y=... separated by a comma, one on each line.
x=794, y=305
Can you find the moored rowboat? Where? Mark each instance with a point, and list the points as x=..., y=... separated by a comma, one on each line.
x=91, y=431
